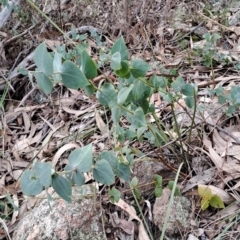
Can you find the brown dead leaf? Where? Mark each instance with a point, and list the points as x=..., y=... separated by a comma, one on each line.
x=126, y=226
x=100, y=123
x=15, y=213
x=22, y=145
x=130, y=210
x=61, y=151
x=202, y=178
x=29, y=108
x=27, y=122
x=218, y=161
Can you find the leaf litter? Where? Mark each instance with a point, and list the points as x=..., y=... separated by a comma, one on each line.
x=42, y=128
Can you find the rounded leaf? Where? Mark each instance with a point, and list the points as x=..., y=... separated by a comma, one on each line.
x=81, y=158
x=102, y=172
x=139, y=68
x=119, y=46
x=107, y=96
x=62, y=187
x=217, y=202
x=89, y=67
x=43, y=59
x=74, y=175
x=30, y=184
x=43, y=171
x=72, y=77
x=44, y=82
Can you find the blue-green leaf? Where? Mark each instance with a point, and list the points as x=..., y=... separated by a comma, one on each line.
x=89, y=90
x=140, y=131
x=57, y=64
x=124, y=71
x=178, y=84
x=44, y=82
x=188, y=90
x=107, y=96
x=111, y=158
x=43, y=171
x=158, y=82
x=114, y=195
x=116, y=114
x=139, y=119
x=190, y=101
x=119, y=46
x=102, y=172
x=30, y=183
x=72, y=77
x=74, y=175
x=62, y=187
x=43, y=59
x=81, y=158
x=89, y=67
x=139, y=68
x=115, y=63
x=124, y=171
x=123, y=94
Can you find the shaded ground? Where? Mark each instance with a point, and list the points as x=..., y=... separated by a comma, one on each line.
x=164, y=33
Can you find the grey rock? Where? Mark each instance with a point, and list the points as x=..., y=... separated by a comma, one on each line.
x=179, y=216
x=77, y=220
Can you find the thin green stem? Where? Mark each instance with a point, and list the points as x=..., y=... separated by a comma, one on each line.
x=193, y=118
x=141, y=213
x=170, y=203
x=178, y=132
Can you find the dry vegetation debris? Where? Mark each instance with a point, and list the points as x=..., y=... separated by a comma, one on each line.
x=38, y=127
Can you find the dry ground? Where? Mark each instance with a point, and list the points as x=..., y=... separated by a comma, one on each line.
x=164, y=32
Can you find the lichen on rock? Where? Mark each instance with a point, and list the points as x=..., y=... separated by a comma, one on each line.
x=77, y=220
x=179, y=215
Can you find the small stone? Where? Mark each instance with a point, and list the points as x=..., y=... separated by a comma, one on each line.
x=179, y=216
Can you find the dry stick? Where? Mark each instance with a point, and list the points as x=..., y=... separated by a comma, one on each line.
x=237, y=140
x=17, y=36
x=185, y=35
x=219, y=24
x=162, y=158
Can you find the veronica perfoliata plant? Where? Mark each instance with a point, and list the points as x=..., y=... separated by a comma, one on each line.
x=129, y=99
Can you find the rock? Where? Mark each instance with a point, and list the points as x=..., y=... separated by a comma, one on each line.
x=145, y=170
x=77, y=220
x=179, y=215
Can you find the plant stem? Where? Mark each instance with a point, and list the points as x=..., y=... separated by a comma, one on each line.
x=178, y=133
